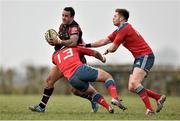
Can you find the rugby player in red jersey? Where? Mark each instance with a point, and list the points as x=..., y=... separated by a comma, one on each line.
x=79, y=75
x=71, y=34
x=126, y=35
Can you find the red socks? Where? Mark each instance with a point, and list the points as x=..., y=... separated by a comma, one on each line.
x=153, y=94
x=113, y=91
x=110, y=85
x=103, y=102
x=100, y=99
x=144, y=97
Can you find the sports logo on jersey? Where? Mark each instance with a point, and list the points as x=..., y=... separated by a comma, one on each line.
x=138, y=63
x=74, y=30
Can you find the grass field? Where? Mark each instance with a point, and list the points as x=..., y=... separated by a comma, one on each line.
x=15, y=107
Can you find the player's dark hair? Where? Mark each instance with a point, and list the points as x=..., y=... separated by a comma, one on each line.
x=123, y=12
x=71, y=10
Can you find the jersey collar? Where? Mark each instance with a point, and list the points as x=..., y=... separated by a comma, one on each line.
x=122, y=26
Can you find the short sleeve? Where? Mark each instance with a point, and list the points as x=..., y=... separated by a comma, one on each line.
x=74, y=30
x=112, y=36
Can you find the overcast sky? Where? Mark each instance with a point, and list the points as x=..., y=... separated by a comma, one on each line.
x=24, y=22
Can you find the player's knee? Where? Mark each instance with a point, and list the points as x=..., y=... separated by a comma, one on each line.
x=107, y=76
x=103, y=75
x=132, y=86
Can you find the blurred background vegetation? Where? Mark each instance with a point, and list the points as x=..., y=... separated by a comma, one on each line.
x=31, y=80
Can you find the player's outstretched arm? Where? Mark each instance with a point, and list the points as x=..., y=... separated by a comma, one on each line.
x=90, y=52
x=99, y=56
x=112, y=48
x=98, y=43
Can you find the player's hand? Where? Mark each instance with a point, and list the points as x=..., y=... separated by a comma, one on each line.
x=54, y=41
x=51, y=36
x=57, y=40
x=104, y=59
x=106, y=52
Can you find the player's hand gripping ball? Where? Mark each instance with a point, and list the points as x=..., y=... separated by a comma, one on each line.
x=51, y=36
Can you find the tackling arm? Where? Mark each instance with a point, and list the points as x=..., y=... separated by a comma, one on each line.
x=90, y=52
x=99, y=56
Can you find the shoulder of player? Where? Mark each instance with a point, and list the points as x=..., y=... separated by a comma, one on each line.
x=74, y=27
x=61, y=25
x=73, y=48
x=123, y=27
x=81, y=48
x=74, y=24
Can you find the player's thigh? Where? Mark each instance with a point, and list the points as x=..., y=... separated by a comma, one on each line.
x=54, y=74
x=137, y=76
x=87, y=73
x=78, y=84
x=103, y=75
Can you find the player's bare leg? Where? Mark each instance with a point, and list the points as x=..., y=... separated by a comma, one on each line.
x=105, y=77
x=139, y=74
x=135, y=86
x=53, y=76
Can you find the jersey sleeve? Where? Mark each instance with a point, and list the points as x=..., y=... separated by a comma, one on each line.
x=85, y=51
x=112, y=36
x=74, y=30
x=118, y=39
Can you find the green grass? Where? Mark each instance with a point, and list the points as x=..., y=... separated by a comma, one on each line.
x=15, y=107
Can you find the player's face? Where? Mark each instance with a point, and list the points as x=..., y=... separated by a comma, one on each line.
x=66, y=17
x=116, y=19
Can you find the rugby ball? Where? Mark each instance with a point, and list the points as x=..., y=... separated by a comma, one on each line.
x=50, y=35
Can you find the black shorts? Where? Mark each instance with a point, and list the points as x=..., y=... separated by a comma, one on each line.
x=144, y=62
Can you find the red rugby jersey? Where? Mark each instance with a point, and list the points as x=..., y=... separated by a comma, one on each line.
x=131, y=40
x=68, y=59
